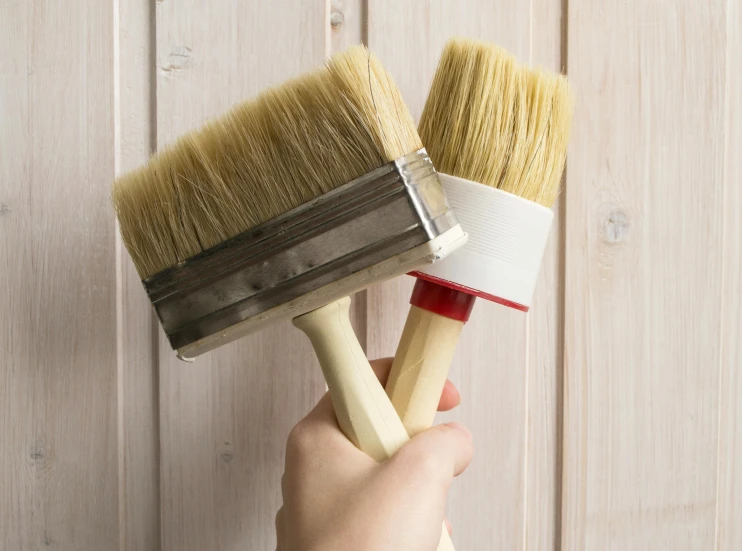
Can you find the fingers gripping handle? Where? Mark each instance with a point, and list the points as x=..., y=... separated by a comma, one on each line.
x=364, y=412
x=421, y=366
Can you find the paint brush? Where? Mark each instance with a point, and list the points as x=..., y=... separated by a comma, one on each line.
x=280, y=209
x=497, y=132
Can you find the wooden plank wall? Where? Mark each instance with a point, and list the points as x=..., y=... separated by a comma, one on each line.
x=138, y=392
x=58, y=337
x=729, y=476
x=607, y=418
x=646, y=267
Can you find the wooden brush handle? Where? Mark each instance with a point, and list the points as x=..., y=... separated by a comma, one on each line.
x=421, y=366
x=364, y=412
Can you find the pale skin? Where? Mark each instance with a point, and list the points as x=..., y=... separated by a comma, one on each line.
x=336, y=498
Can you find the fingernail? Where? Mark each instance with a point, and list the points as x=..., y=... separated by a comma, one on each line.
x=462, y=428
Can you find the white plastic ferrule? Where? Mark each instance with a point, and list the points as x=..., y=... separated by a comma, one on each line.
x=507, y=239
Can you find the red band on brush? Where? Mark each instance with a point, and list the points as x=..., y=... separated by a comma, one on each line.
x=442, y=300
x=465, y=290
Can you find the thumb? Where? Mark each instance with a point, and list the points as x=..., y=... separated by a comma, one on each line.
x=436, y=455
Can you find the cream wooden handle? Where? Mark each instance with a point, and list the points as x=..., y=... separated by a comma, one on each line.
x=421, y=366
x=364, y=412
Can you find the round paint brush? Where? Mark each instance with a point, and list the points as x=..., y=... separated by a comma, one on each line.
x=497, y=132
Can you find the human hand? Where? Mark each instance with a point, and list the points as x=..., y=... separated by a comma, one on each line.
x=336, y=498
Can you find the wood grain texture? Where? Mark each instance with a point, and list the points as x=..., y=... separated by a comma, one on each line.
x=729, y=483
x=644, y=203
x=224, y=419
x=108, y=442
x=58, y=431
x=494, y=360
x=138, y=393
x=545, y=371
x=348, y=23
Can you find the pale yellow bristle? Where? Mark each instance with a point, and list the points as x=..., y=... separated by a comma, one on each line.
x=493, y=121
x=263, y=158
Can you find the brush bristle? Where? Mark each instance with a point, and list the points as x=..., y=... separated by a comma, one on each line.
x=263, y=158
x=490, y=120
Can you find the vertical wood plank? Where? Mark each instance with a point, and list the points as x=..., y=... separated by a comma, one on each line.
x=58, y=437
x=494, y=361
x=643, y=274
x=138, y=410
x=225, y=418
x=348, y=23
x=543, y=455
x=729, y=508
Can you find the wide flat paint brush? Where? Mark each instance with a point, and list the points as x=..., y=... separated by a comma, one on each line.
x=281, y=208
x=497, y=132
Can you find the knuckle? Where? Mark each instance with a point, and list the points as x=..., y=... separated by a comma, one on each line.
x=430, y=465
x=300, y=442
x=421, y=461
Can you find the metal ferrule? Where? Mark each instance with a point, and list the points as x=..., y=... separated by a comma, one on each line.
x=377, y=216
